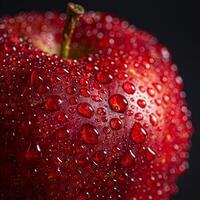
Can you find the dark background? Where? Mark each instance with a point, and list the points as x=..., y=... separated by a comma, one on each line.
x=175, y=23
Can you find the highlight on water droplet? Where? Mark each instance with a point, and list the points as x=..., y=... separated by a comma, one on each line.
x=118, y=103
x=138, y=133
x=89, y=134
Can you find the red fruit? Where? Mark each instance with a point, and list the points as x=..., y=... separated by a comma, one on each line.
x=109, y=123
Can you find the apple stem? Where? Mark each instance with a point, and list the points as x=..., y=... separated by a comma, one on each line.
x=74, y=12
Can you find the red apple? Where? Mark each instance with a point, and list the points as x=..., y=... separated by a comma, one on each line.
x=110, y=122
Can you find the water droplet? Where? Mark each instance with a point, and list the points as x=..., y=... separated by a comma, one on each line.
x=99, y=156
x=61, y=70
x=84, y=92
x=142, y=88
x=104, y=77
x=61, y=133
x=157, y=86
x=164, y=79
x=85, y=110
x=128, y=159
x=97, y=85
x=166, y=98
x=101, y=111
x=138, y=133
x=31, y=152
x=73, y=100
x=83, y=82
x=151, y=92
x=158, y=102
x=150, y=154
x=129, y=112
x=34, y=77
x=122, y=76
x=52, y=103
x=71, y=110
x=70, y=90
x=96, y=98
x=153, y=119
x=139, y=116
x=141, y=103
x=89, y=134
x=116, y=150
x=118, y=103
x=106, y=130
x=115, y=124
x=61, y=117
x=129, y=88
x=43, y=89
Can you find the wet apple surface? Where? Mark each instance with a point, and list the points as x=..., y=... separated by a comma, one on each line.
x=111, y=122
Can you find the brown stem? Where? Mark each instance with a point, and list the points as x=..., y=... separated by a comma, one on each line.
x=74, y=11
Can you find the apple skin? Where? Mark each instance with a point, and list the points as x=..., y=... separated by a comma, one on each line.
x=109, y=123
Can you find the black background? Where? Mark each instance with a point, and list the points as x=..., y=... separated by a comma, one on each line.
x=175, y=23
